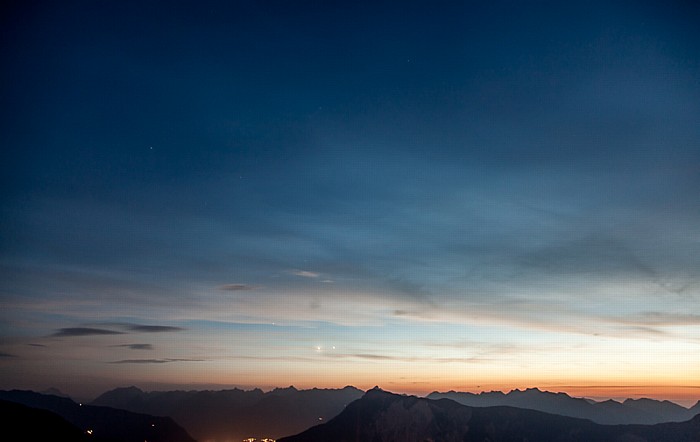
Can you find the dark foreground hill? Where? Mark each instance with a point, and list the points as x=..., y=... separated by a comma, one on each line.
x=27, y=423
x=99, y=423
x=236, y=414
x=383, y=417
x=631, y=411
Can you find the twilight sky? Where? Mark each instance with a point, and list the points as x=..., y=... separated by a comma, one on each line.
x=419, y=195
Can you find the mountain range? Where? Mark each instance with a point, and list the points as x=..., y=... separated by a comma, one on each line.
x=236, y=414
x=631, y=411
x=130, y=414
x=380, y=416
x=35, y=416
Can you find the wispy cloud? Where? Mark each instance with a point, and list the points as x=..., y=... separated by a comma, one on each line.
x=378, y=357
x=83, y=331
x=36, y=345
x=305, y=273
x=273, y=358
x=155, y=361
x=237, y=287
x=7, y=355
x=136, y=346
x=659, y=319
x=93, y=331
x=154, y=328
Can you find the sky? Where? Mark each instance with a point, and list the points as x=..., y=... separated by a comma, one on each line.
x=416, y=195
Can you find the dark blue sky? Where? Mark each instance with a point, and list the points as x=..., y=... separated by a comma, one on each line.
x=522, y=173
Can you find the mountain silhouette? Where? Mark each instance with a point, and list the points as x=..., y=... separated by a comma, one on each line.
x=383, y=417
x=27, y=423
x=54, y=392
x=236, y=414
x=695, y=409
x=102, y=423
x=631, y=411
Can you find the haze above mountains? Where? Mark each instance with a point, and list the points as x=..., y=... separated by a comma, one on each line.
x=237, y=414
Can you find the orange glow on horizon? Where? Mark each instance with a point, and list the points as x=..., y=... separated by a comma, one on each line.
x=685, y=395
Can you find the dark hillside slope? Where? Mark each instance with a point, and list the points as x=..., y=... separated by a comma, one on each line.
x=631, y=411
x=26, y=423
x=385, y=417
x=108, y=423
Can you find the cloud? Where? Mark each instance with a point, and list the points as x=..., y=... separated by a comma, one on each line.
x=36, y=345
x=273, y=358
x=376, y=357
x=155, y=361
x=7, y=355
x=136, y=346
x=305, y=274
x=646, y=319
x=154, y=328
x=83, y=331
x=92, y=331
x=237, y=287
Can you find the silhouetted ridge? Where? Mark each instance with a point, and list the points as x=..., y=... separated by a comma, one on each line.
x=54, y=392
x=236, y=414
x=280, y=391
x=383, y=417
x=26, y=423
x=108, y=423
x=695, y=409
x=666, y=410
x=376, y=392
x=640, y=411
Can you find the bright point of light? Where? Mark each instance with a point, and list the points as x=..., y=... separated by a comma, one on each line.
x=88, y=431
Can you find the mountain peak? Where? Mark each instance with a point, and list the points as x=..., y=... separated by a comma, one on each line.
x=382, y=417
x=54, y=392
x=123, y=390
x=377, y=392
